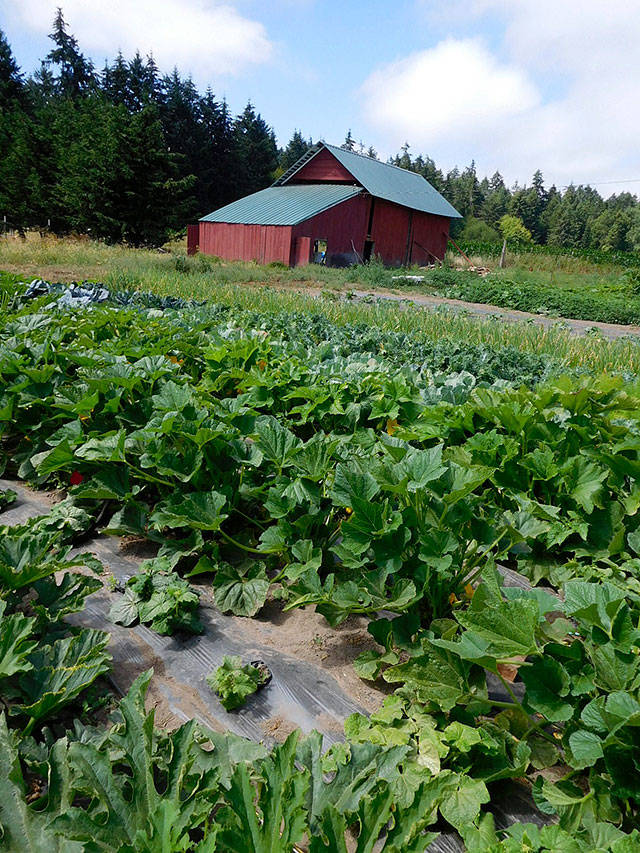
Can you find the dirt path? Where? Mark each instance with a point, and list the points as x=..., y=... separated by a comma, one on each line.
x=480, y=309
x=578, y=327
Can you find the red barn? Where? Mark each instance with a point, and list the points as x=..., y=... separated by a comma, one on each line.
x=335, y=207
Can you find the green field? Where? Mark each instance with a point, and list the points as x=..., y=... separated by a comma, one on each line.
x=298, y=451
x=253, y=286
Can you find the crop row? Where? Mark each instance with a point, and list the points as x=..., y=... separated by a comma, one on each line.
x=338, y=477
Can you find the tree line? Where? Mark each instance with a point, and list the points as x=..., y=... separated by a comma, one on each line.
x=127, y=153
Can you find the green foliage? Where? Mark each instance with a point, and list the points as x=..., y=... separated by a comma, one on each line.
x=535, y=297
x=160, y=598
x=242, y=590
x=7, y=497
x=16, y=642
x=477, y=230
x=235, y=681
x=579, y=706
x=514, y=231
x=60, y=672
x=285, y=455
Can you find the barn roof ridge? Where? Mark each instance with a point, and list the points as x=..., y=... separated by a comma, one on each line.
x=366, y=157
x=411, y=190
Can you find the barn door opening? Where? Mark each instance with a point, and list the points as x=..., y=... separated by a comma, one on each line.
x=319, y=251
x=367, y=252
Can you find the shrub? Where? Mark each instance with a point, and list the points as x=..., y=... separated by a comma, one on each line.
x=514, y=231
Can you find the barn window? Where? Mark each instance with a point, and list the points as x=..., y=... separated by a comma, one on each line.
x=319, y=251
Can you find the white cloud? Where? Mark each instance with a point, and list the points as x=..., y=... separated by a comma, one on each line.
x=581, y=56
x=445, y=90
x=202, y=37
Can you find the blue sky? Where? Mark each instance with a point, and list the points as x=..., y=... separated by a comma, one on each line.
x=514, y=84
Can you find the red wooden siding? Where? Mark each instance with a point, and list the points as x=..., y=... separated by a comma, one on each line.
x=323, y=167
x=390, y=231
x=397, y=245
x=301, y=251
x=399, y=234
x=429, y=237
x=342, y=226
x=193, y=233
x=262, y=243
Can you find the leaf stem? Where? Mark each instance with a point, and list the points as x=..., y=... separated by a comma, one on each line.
x=237, y=544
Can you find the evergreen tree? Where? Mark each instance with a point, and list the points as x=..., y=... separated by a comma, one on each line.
x=75, y=72
x=349, y=143
x=256, y=152
x=296, y=147
x=183, y=130
x=217, y=169
x=12, y=88
x=115, y=81
x=143, y=83
x=127, y=155
x=468, y=193
x=404, y=160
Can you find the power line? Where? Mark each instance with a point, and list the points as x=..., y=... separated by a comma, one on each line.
x=600, y=183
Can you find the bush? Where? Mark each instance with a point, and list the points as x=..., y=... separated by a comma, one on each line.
x=514, y=231
x=477, y=229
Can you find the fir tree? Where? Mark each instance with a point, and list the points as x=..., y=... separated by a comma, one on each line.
x=256, y=151
x=115, y=81
x=349, y=143
x=12, y=88
x=296, y=147
x=75, y=72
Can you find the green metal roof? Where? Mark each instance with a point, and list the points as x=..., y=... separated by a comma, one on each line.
x=385, y=181
x=286, y=205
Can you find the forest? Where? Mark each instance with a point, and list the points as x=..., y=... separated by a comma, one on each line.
x=129, y=154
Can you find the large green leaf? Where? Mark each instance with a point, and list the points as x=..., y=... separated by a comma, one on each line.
x=126, y=809
x=199, y=510
x=16, y=642
x=24, y=829
x=26, y=557
x=583, y=480
x=547, y=683
x=439, y=676
x=268, y=816
x=422, y=467
x=276, y=442
x=351, y=482
x=241, y=591
x=462, y=805
x=61, y=671
x=497, y=630
x=356, y=778
x=55, y=600
x=107, y=448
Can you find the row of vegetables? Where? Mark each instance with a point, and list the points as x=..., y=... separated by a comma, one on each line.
x=284, y=465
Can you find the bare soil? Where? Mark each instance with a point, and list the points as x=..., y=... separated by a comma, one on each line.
x=306, y=635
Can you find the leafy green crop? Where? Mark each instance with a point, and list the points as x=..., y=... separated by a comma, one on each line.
x=136, y=788
x=7, y=497
x=59, y=672
x=159, y=598
x=576, y=701
x=235, y=681
x=283, y=457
